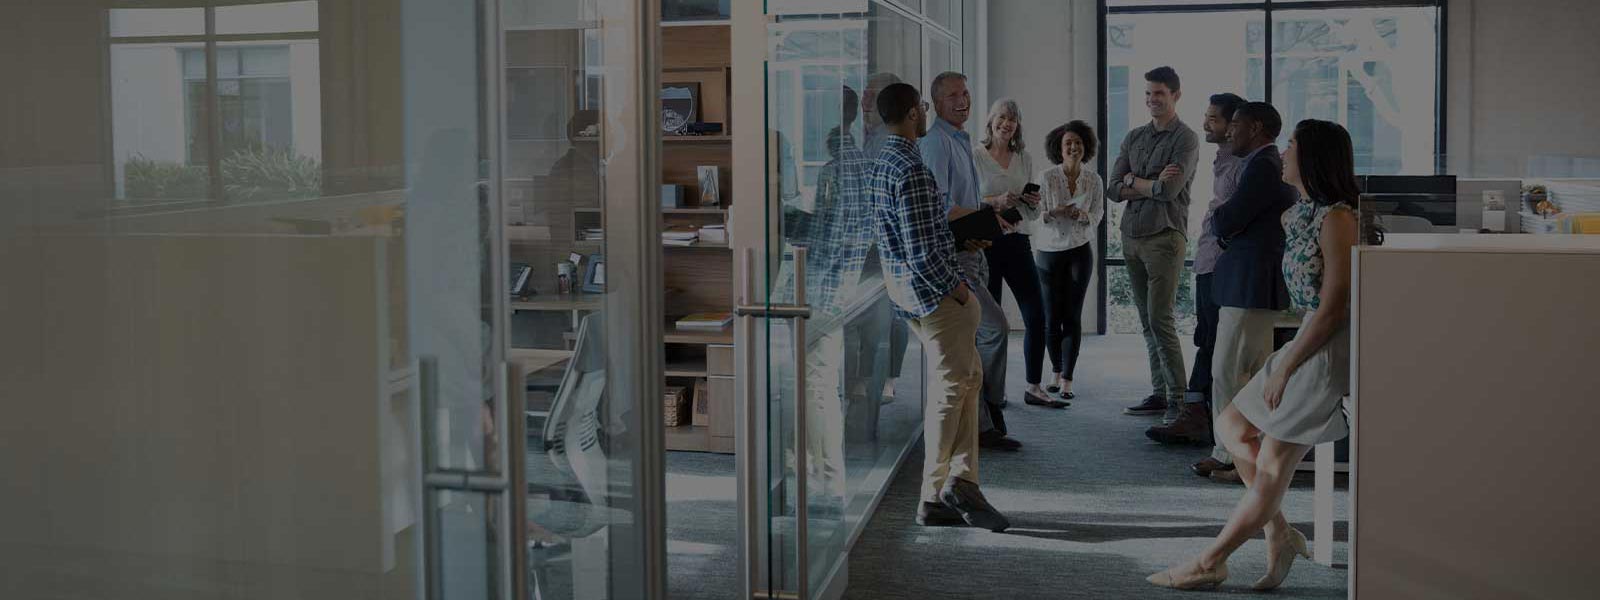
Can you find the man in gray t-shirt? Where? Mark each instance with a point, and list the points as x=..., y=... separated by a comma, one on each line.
x=1152, y=177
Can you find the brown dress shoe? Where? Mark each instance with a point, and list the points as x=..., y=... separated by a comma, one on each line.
x=1209, y=465
x=1228, y=476
x=1192, y=427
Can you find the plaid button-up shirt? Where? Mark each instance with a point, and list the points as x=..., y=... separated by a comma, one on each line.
x=914, y=240
x=838, y=231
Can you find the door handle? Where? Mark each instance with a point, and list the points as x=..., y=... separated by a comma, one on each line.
x=798, y=314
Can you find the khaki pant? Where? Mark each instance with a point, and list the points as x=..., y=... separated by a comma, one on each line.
x=1155, y=264
x=1244, y=341
x=825, y=423
x=950, y=418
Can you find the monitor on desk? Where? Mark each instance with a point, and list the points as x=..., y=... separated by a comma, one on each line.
x=1429, y=197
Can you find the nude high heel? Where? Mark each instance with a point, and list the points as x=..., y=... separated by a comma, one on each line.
x=1278, y=564
x=1204, y=580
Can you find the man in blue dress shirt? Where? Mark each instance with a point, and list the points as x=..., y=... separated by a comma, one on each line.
x=947, y=150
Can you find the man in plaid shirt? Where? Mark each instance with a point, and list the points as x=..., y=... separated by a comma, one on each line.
x=919, y=256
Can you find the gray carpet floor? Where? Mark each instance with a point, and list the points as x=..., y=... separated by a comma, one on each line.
x=1095, y=506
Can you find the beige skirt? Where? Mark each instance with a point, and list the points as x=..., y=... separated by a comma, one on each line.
x=1312, y=409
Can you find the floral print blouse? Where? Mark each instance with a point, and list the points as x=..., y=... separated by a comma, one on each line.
x=1302, y=257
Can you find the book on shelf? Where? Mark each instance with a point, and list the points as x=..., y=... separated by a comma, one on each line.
x=680, y=236
x=712, y=321
x=592, y=234
x=716, y=234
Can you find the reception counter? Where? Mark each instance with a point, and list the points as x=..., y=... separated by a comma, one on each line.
x=1476, y=393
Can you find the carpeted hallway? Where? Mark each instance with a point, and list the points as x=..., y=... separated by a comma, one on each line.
x=1095, y=507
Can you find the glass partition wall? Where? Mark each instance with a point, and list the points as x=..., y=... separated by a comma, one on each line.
x=257, y=310
x=844, y=396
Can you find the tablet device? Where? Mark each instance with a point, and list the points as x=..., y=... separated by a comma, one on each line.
x=980, y=225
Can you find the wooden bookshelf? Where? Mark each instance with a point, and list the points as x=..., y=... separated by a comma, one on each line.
x=555, y=203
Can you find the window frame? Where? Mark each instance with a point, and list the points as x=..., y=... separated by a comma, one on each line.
x=1267, y=8
x=209, y=41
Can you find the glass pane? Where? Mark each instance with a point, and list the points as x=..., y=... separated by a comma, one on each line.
x=1219, y=62
x=945, y=13
x=468, y=546
x=695, y=10
x=153, y=22
x=1149, y=3
x=229, y=303
x=272, y=17
x=567, y=133
x=826, y=215
x=894, y=54
x=1375, y=71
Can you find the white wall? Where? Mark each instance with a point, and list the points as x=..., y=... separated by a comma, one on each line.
x=1522, y=82
x=147, y=104
x=1044, y=54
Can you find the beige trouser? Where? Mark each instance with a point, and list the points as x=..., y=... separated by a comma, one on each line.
x=825, y=425
x=1244, y=341
x=950, y=418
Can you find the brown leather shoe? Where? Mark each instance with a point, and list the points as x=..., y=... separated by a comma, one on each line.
x=1228, y=476
x=1192, y=427
x=1209, y=465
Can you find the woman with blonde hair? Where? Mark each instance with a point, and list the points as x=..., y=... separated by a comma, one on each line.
x=1005, y=168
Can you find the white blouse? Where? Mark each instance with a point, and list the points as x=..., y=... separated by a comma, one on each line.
x=1059, y=233
x=994, y=180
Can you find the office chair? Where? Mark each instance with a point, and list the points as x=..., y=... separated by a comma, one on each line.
x=576, y=479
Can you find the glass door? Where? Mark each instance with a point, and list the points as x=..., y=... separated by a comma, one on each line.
x=260, y=336
x=840, y=396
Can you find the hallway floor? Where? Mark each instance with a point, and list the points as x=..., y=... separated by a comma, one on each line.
x=1095, y=507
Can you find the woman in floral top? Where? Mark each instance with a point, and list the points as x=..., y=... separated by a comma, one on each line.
x=1295, y=402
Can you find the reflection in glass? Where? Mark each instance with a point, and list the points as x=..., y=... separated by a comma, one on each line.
x=1374, y=71
x=862, y=405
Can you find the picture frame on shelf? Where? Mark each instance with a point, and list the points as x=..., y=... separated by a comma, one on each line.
x=680, y=106
x=710, y=188
x=594, y=275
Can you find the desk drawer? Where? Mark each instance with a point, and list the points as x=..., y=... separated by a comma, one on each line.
x=719, y=360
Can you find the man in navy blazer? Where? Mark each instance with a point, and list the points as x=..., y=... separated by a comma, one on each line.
x=1248, y=281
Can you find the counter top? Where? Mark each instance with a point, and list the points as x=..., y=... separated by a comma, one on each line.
x=1488, y=243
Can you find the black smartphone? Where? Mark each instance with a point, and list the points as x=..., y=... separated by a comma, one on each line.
x=1030, y=188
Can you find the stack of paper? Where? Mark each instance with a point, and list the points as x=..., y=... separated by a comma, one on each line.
x=593, y=234
x=714, y=234
x=680, y=236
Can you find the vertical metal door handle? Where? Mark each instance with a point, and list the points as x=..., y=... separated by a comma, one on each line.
x=797, y=313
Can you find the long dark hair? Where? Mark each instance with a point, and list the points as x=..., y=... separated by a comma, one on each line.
x=1326, y=160
x=1327, y=163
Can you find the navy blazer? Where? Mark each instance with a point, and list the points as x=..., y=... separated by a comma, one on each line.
x=1249, y=226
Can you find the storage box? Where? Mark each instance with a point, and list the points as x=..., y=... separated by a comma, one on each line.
x=675, y=406
x=702, y=404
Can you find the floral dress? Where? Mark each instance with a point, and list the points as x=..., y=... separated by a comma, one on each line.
x=1312, y=409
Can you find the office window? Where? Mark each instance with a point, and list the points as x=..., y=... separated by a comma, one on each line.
x=253, y=99
x=1373, y=70
x=249, y=131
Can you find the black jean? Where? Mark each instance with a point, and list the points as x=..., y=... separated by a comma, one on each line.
x=1205, y=338
x=1011, y=262
x=1066, y=277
